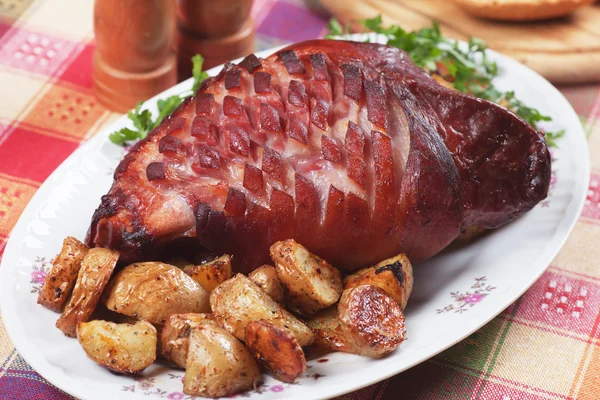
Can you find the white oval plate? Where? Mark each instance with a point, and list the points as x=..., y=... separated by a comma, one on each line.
x=494, y=271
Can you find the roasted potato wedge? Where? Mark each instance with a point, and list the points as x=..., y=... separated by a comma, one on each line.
x=238, y=301
x=311, y=282
x=367, y=321
x=96, y=268
x=211, y=274
x=124, y=348
x=61, y=279
x=218, y=364
x=394, y=275
x=266, y=278
x=328, y=333
x=175, y=336
x=371, y=321
x=276, y=349
x=153, y=291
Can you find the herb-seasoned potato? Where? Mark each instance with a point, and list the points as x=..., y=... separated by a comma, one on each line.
x=312, y=283
x=61, y=279
x=123, y=348
x=367, y=321
x=266, y=278
x=371, y=321
x=211, y=274
x=394, y=275
x=96, y=268
x=238, y=301
x=276, y=349
x=218, y=364
x=175, y=336
x=328, y=333
x=153, y=291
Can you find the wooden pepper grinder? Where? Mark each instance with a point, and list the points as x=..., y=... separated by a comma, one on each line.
x=218, y=30
x=135, y=56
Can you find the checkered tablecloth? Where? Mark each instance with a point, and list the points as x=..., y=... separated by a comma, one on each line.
x=47, y=109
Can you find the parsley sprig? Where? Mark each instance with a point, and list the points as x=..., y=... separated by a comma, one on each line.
x=336, y=29
x=467, y=70
x=143, y=120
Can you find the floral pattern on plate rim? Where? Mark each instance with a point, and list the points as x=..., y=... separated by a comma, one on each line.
x=39, y=272
x=468, y=299
x=148, y=387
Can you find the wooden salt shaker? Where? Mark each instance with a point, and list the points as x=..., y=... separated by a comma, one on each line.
x=218, y=30
x=134, y=57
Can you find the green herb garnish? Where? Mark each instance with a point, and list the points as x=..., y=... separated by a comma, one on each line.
x=552, y=137
x=336, y=29
x=197, y=73
x=468, y=71
x=143, y=120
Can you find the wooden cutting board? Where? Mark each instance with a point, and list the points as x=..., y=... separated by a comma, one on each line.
x=565, y=50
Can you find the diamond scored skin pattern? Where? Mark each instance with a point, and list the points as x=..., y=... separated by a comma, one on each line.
x=347, y=147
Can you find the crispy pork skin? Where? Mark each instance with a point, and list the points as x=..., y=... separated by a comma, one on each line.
x=349, y=148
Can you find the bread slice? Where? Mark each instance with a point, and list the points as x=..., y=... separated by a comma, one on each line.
x=520, y=10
